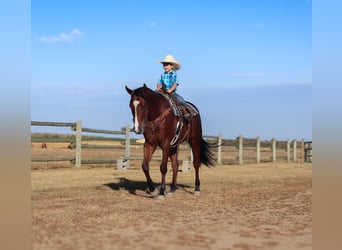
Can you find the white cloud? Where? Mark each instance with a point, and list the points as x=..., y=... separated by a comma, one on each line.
x=61, y=38
x=152, y=24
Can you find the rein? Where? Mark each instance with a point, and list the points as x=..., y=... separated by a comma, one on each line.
x=155, y=123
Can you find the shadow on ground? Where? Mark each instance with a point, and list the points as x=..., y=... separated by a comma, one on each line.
x=132, y=185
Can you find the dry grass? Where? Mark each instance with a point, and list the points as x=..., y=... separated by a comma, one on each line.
x=254, y=206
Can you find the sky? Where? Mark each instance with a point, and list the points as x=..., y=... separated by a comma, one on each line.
x=247, y=65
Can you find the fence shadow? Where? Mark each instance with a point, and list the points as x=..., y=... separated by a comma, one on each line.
x=132, y=185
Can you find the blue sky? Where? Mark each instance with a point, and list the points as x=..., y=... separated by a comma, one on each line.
x=246, y=64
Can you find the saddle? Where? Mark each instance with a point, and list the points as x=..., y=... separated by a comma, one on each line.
x=178, y=110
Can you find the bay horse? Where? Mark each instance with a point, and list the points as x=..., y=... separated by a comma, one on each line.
x=153, y=116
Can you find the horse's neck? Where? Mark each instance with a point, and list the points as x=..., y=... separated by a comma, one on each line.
x=156, y=105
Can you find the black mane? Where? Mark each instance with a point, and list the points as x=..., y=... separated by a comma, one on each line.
x=145, y=92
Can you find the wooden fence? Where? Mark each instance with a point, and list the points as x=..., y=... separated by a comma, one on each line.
x=238, y=151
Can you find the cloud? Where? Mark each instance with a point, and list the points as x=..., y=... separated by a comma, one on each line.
x=152, y=24
x=61, y=38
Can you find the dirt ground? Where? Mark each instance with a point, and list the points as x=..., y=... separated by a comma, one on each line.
x=254, y=206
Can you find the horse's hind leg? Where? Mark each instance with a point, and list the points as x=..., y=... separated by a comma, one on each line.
x=196, y=150
x=174, y=162
x=197, y=181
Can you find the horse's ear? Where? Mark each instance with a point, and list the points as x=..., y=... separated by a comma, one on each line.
x=144, y=88
x=129, y=91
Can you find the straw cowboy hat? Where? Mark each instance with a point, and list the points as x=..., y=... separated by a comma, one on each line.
x=171, y=59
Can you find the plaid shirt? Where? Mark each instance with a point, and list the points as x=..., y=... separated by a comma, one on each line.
x=168, y=79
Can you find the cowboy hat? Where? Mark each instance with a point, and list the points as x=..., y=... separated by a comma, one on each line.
x=172, y=60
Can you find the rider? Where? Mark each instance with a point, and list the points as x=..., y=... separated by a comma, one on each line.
x=169, y=81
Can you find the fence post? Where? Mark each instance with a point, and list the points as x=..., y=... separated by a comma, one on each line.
x=258, y=149
x=127, y=144
x=288, y=149
x=240, y=150
x=302, y=150
x=308, y=151
x=274, y=150
x=219, y=149
x=78, y=144
x=295, y=150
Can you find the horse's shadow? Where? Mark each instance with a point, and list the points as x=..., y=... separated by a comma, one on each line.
x=132, y=185
x=126, y=184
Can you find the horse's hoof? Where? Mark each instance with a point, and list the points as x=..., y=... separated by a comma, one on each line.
x=172, y=190
x=154, y=193
x=161, y=197
x=197, y=193
x=170, y=194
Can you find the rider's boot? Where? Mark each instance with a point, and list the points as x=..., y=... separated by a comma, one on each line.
x=186, y=113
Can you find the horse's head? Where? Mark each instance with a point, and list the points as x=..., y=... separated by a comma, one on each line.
x=138, y=108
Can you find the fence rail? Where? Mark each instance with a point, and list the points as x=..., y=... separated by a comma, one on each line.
x=238, y=151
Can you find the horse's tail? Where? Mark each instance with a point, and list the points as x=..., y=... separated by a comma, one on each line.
x=207, y=154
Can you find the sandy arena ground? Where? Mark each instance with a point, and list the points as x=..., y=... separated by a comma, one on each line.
x=254, y=206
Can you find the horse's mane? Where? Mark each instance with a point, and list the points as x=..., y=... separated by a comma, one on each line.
x=145, y=92
x=138, y=92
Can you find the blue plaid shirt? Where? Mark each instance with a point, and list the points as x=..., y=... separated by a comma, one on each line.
x=168, y=79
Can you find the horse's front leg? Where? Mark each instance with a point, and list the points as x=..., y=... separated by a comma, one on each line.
x=163, y=169
x=174, y=161
x=148, y=152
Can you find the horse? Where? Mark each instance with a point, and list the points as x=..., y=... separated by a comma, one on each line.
x=154, y=117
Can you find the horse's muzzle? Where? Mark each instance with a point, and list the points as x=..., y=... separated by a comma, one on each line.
x=138, y=130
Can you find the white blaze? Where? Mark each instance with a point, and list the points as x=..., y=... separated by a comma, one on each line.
x=136, y=122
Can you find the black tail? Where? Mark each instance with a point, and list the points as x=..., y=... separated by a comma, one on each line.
x=207, y=154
